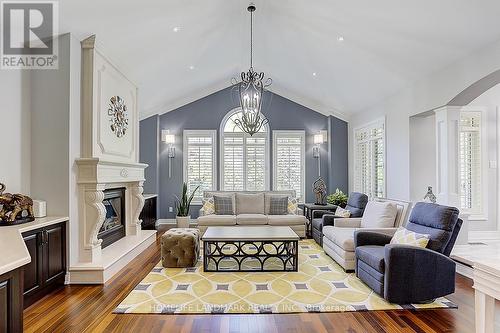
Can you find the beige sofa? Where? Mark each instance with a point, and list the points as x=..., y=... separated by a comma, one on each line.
x=252, y=209
x=338, y=240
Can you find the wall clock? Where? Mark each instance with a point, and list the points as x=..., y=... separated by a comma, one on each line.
x=118, y=116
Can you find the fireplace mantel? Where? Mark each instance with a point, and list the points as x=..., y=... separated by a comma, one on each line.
x=95, y=170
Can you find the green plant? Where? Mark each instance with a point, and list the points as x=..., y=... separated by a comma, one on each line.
x=338, y=198
x=182, y=205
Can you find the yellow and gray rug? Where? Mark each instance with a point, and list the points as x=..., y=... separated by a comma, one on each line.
x=320, y=285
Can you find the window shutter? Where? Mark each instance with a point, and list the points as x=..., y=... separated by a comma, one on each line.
x=289, y=163
x=233, y=164
x=470, y=162
x=255, y=163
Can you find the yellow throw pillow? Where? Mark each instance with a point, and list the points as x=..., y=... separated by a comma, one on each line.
x=208, y=206
x=407, y=237
x=293, y=205
x=342, y=212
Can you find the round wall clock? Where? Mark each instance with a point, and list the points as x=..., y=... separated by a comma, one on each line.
x=118, y=116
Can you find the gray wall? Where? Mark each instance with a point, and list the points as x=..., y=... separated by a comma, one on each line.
x=208, y=112
x=148, y=152
x=338, y=153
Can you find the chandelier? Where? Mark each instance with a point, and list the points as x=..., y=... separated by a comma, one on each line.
x=250, y=92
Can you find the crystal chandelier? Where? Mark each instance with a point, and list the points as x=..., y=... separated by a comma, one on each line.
x=250, y=91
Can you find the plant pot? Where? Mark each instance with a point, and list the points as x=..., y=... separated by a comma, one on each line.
x=183, y=221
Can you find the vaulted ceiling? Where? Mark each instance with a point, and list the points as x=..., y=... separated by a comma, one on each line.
x=177, y=51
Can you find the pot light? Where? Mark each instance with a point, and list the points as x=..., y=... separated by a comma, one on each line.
x=340, y=38
x=314, y=73
x=191, y=67
x=176, y=29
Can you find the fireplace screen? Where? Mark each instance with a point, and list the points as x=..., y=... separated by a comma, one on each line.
x=113, y=227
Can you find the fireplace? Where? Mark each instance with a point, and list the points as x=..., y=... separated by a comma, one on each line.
x=113, y=227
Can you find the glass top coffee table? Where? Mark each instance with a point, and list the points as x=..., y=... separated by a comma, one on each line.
x=250, y=249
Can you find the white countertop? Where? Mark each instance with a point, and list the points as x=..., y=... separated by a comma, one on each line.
x=149, y=196
x=14, y=253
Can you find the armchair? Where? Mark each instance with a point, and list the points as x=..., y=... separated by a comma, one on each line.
x=355, y=204
x=380, y=215
x=405, y=274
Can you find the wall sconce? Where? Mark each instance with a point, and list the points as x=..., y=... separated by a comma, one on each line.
x=169, y=139
x=318, y=140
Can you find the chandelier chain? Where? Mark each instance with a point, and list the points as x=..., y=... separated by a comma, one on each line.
x=251, y=39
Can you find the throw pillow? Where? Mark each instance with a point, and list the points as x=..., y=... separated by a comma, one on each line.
x=342, y=212
x=278, y=206
x=223, y=205
x=293, y=205
x=208, y=206
x=405, y=236
x=379, y=215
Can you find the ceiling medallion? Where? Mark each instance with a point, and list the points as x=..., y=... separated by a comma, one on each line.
x=250, y=92
x=118, y=116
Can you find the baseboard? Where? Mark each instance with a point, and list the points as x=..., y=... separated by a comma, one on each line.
x=478, y=236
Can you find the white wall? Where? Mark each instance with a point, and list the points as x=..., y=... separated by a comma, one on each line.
x=429, y=93
x=15, y=129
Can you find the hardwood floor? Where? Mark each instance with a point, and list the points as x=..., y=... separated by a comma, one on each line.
x=88, y=309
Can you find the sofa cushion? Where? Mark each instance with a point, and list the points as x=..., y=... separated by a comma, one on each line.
x=249, y=203
x=232, y=195
x=251, y=219
x=279, y=206
x=342, y=212
x=223, y=205
x=217, y=220
x=379, y=215
x=289, y=219
x=208, y=206
x=372, y=255
x=342, y=237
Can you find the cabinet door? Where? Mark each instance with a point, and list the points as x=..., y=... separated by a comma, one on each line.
x=33, y=275
x=54, y=253
x=11, y=304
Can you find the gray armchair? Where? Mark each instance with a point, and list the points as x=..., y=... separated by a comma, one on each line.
x=406, y=274
x=355, y=204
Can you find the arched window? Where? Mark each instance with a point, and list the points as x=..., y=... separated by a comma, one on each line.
x=244, y=158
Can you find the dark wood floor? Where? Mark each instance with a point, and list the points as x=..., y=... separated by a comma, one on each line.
x=88, y=309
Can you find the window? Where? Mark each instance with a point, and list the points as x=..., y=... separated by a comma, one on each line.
x=244, y=158
x=470, y=162
x=369, y=159
x=200, y=161
x=289, y=162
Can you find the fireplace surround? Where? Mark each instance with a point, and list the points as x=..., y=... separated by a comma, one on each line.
x=113, y=227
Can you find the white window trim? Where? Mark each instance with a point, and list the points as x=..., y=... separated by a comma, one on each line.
x=374, y=123
x=295, y=133
x=483, y=215
x=211, y=133
x=221, y=157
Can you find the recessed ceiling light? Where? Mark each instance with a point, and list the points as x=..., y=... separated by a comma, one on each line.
x=314, y=74
x=340, y=38
x=191, y=67
x=176, y=29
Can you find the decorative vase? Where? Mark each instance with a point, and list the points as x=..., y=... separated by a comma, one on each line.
x=429, y=196
x=183, y=221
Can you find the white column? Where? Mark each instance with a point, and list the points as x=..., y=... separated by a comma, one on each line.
x=484, y=312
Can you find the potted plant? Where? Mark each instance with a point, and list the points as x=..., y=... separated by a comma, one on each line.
x=338, y=198
x=182, y=206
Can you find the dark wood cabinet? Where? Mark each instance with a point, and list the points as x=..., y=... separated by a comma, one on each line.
x=47, y=269
x=148, y=214
x=11, y=302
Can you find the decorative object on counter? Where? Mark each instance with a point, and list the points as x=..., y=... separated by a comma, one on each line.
x=118, y=116
x=182, y=206
x=338, y=198
x=39, y=208
x=319, y=190
x=429, y=196
x=13, y=207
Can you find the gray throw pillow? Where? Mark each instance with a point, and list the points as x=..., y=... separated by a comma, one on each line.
x=278, y=206
x=223, y=205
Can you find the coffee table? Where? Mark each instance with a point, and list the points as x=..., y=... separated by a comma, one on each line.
x=250, y=249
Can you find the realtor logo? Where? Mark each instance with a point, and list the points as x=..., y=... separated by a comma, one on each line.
x=27, y=36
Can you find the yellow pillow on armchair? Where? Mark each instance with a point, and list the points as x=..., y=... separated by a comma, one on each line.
x=407, y=237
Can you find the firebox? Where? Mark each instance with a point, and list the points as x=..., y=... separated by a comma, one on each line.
x=113, y=227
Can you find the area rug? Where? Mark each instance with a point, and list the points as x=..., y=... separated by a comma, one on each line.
x=320, y=285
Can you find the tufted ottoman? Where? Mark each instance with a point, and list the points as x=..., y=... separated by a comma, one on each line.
x=180, y=247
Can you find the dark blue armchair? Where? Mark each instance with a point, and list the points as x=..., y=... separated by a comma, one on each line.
x=406, y=274
x=355, y=204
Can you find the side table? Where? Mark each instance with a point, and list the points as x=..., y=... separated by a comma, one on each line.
x=308, y=210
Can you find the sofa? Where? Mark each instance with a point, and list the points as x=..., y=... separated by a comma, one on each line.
x=355, y=204
x=251, y=208
x=403, y=273
x=381, y=215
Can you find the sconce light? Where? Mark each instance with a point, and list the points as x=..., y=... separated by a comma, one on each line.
x=318, y=140
x=169, y=139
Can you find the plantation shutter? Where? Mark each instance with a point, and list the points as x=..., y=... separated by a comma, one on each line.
x=370, y=160
x=470, y=162
x=199, y=162
x=289, y=163
x=255, y=152
x=233, y=163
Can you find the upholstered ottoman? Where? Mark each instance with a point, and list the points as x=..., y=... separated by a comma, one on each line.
x=180, y=247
